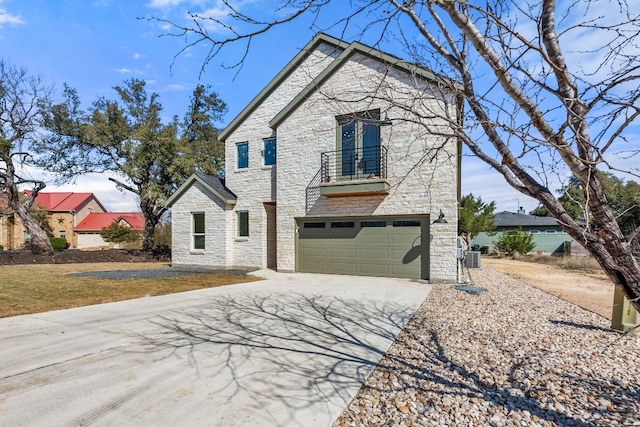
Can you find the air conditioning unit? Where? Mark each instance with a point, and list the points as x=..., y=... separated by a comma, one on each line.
x=472, y=259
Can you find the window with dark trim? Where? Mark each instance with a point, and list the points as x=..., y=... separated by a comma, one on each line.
x=314, y=225
x=198, y=239
x=406, y=223
x=359, y=143
x=342, y=224
x=243, y=155
x=373, y=224
x=269, y=151
x=243, y=224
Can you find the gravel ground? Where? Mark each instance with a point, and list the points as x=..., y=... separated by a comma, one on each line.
x=511, y=356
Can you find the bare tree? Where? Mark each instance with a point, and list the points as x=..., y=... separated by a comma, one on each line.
x=21, y=96
x=550, y=91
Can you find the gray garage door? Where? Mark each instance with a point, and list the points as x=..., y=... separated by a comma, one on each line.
x=370, y=246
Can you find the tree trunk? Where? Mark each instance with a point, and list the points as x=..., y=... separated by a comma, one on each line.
x=38, y=239
x=151, y=219
x=148, y=238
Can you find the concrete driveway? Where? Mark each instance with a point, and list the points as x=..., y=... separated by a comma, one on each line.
x=291, y=350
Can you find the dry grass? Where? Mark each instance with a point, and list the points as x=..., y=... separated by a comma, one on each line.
x=579, y=264
x=26, y=289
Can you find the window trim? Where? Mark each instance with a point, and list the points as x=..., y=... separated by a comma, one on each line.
x=195, y=234
x=239, y=215
x=238, y=145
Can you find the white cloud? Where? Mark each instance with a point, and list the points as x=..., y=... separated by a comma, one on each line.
x=163, y=4
x=125, y=70
x=8, y=18
x=137, y=55
x=174, y=87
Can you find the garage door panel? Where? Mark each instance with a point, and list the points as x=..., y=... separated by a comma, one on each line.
x=373, y=254
x=314, y=266
x=373, y=239
x=373, y=269
x=403, y=270
x=343, y=267
x=349, y=253
x=314, y=252
x=407, y=239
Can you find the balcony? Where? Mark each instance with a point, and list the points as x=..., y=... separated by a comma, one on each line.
x=352, y=172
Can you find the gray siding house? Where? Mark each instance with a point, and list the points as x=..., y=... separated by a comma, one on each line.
x=328, y=170
x=547, y=234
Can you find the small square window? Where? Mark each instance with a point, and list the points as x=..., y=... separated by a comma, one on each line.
x=243, y=155
x=269, y=151
x=198, y=230
x=62, y=233
x=243, y=224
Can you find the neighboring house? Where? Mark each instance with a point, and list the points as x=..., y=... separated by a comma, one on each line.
x=547, y=234
x=88, y=230
x=64, y=211
x=324, y=174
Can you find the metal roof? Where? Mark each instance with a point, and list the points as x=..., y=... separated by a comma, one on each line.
x=98, y=220
x=64, y=201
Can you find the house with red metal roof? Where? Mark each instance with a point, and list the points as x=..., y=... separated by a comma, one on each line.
x=88, y=230
x=78, y=217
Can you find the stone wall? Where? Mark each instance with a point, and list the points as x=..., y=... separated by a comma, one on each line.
x=198, y=199
x=255, y=185
x=422, y=168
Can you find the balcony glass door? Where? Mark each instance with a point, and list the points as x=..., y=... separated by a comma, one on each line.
x=359, y=147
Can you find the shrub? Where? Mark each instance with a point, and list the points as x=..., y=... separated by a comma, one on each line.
x=119, y=233
x=515, y=241
x=58, y=243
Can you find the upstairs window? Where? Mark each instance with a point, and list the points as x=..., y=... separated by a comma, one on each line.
x=269, y=151
x=243, y=155
x=198, y=231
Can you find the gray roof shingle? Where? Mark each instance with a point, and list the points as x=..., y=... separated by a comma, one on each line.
x=510, y=219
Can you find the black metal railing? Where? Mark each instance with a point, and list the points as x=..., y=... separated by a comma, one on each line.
x=353, y=164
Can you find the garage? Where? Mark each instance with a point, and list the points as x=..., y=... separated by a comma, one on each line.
x=365, y=246
x=90, y=240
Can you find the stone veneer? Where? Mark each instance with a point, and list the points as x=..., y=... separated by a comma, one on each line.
x=217, y=215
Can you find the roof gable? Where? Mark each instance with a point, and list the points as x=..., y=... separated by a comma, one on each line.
x=353, y=48
x=211, y=183
x=280, y=78
x=64, y=201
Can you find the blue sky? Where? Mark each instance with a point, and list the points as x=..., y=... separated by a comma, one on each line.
x=96, y=45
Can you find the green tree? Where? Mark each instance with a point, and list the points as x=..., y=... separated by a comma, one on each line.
x=536, y=102
x=622, y=195
x=117, y=232
x=127, y=136
x=200, y=136
x=21, y=96
x=475, y=217
x=515, y=241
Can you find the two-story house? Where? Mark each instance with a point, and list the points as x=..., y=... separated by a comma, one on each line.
x=344, y=163
x=64, y=211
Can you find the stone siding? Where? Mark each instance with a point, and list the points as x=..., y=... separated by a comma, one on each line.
x=422, y=168
x=198, y=199
x=255, y=185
